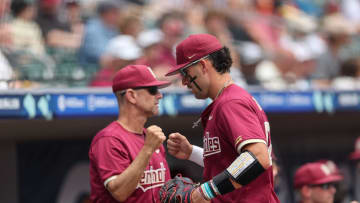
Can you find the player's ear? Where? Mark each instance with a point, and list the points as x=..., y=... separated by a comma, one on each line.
x=305, y=191
x=204, y=66
x=131, y=96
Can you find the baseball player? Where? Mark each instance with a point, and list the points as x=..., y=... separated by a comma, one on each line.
x=127, y=161
x=315, y=182
x=236, y=152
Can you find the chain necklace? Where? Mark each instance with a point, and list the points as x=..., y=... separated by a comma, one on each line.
x=226, y=84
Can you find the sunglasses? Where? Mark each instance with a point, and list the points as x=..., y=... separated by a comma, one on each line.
x=153, y=90
x=183, y=71
x=325, y=186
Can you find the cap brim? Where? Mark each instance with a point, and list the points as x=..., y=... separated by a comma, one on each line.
x=329, y=179
x=354, y=156
x=175, y=70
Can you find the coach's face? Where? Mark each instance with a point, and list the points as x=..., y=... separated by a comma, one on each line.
x=148, y=100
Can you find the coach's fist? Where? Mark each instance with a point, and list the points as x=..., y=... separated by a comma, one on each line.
x=179, y=146
x=154, y=137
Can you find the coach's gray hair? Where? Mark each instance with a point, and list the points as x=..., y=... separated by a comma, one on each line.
x=120, y=97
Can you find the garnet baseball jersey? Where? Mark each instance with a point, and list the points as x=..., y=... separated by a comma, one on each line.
x=112, y=150
x=232, y=121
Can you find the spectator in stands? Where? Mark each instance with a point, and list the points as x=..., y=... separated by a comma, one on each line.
x=74, y=16
x=6, y=72
x=131, y=25
x=276, y=73
x=303, y=67
x=250, y=55
x=172, y=25
x=149, y=41
x=57, y=34
x=5, y=33
x=349, y=77
x=351, y=10
x=98, y=32
x=120, y=52
x=337, y=32
x=26, y=33
x=131, y=21
x=315, y=182
x=216, y=23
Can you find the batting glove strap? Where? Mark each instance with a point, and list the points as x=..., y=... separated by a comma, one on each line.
x=222, y=183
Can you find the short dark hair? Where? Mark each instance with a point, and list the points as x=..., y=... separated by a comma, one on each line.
x=107, y=5
x=169, y=15
x=17, y=7
x=221, y=60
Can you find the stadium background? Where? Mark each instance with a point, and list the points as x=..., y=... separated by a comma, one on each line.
x=47, y=119
x=44, y=156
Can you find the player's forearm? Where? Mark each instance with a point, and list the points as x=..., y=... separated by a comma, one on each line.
x=125, y=183
x=243, y=170
x=196, y=155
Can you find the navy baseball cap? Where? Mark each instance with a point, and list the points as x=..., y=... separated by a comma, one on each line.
x=194, y=48
x=133, y=76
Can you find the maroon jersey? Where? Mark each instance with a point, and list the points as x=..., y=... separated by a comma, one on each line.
x=112, y=150
x=232, y=121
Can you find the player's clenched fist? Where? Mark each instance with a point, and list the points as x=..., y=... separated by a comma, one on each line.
x=179, y=146
x=154, y=137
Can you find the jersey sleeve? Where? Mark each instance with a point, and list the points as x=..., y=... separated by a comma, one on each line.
x=110, y=157
x=240, y=124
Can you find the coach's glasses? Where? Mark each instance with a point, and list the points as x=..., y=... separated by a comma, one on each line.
x=153, y=90
x=325, y=186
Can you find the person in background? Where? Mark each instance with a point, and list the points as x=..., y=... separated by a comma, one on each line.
x=315, y=182
x=120, y=52
x=73, y=15
x=172, y=25
x=26, y=33
x=6, y=71
x=150, y=42
x=338, y=32
x=98, y=32
x=57, y=34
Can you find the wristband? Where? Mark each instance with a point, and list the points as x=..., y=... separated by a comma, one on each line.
x=196, y=155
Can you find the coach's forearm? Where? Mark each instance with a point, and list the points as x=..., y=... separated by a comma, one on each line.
x=125, y=183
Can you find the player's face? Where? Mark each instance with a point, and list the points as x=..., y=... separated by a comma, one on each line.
x=148, y=100
x=189, y=75
x=323, y=193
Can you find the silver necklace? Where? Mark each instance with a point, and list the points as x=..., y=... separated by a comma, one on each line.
x=227, y=83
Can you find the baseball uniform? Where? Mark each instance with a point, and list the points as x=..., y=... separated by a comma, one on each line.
x=233, y=120
x=112, y=150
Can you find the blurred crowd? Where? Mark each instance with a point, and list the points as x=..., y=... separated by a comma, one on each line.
x=276, y=44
